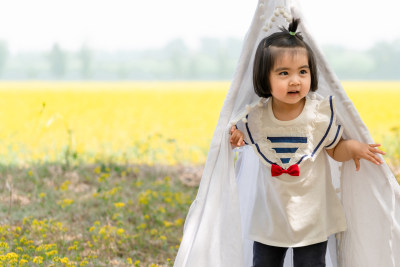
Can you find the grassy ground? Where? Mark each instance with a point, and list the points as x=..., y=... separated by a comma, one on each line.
x=98, y=215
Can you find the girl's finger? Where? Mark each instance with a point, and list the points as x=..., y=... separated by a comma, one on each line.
x=374, y=159
x=374, y=145
x=376, y=150
x=378, y=159
x=240, y=141
x=357, y=162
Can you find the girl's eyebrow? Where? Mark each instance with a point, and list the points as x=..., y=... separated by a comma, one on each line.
x=286, y=68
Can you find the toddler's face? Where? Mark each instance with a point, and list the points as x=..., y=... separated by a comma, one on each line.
x=290, y=77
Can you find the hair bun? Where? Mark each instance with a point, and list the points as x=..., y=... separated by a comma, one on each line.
x=293, y=25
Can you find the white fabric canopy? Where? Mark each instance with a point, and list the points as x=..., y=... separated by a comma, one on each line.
x=218, y=217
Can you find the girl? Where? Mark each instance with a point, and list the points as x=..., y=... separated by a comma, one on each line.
x=291, y=133
x=278, y=191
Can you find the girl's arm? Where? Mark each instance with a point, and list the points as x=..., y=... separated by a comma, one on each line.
x=352, y=149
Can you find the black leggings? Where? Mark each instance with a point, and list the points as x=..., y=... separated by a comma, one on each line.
x=270, y=256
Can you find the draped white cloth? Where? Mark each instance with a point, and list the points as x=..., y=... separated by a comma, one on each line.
x=218, y=217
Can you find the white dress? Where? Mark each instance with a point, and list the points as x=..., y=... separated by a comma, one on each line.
x=293, y=211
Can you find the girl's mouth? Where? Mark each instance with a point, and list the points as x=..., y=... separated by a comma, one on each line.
x=293, y=92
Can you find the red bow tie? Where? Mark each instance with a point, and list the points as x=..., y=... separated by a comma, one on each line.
x=277, y=170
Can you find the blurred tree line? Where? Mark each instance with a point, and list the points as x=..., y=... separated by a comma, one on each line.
x=213, y=59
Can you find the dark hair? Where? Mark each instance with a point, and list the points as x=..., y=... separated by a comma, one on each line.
x=265, y=57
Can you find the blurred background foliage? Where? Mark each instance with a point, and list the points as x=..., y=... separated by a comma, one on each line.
x=212, y=59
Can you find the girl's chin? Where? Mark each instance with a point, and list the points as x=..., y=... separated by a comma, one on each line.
x=293, y=98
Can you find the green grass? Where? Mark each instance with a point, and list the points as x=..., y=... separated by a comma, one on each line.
x=99, y=215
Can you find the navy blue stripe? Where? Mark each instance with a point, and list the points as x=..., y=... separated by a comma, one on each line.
x=327, y=131
x=285, y=149
x=259, y=151
x=287, y=139
x=248, y=131
x=285, y=160
x=336, y=136
x=301, y=159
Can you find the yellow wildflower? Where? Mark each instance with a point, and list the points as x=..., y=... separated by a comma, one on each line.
x=11, y=255
x=178, y=222
x=65, y=202
x=64, y=186
x=167, y=223
x=119, y=204
x=38, y=260
x=103, y=177
x=51, y=253
x=3, y=245
x=74, y=247
x=64, y=260
x=22, y=262
x=97, y=170
x=120, y=231
x=153, y=231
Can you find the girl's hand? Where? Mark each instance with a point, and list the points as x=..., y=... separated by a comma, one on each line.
x=366, y=151
x=237, y=137
x=352, y=149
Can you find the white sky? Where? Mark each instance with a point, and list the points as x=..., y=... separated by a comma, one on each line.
x=130, y=24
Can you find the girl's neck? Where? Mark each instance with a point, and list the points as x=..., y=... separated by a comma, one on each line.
x=286, y=112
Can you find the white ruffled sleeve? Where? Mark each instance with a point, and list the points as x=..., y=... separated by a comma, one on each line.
x=335, y=130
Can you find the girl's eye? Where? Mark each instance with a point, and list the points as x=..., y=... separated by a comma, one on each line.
x=303, y=72
x=283, y=73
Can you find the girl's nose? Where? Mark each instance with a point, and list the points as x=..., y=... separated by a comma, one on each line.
x=294, y=82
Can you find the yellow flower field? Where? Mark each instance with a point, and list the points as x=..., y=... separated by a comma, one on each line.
x=148, y=122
